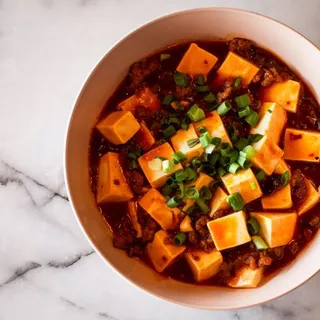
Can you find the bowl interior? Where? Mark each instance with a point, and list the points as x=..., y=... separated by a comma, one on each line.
x=204, y=24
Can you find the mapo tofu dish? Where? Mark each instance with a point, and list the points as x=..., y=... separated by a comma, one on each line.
x=205, y=163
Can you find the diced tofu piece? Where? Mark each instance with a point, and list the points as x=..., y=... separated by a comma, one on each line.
x=215, y=127
x=157, y=178
x=202, y=180
x=185, y=225
x=118, y=127
x=272, y=120
x=311, y=199
x=155, y=204
x=245, y=277
x=243, y=182
x=285, y=93
x=112, y=185
x=133, y=213
x=163, y=255
x=267, y=155
x=197, y=61
x=144, y=138
x=235, y=66
x=281, y=199
x=229, y=231
x=300, y=145
x=204, y=265
x=179, y=143
x=277, y=229
x=218, y=201
x=145, y=97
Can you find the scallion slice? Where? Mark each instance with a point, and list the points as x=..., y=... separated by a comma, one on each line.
x=200, y=80
x=225, y=149
x=190, y=210
x=244, y=112
x=260, y=175
x=184, y=126
x=167, y=99
x=232, y=132
x=252, y=118
x=195, y=113
x=181, y=79
x=249, y=151
x=192, y=193
x=178, y=157
x=164, y=56
x=285, y=178
x=214, y=158
x=237, y=82
x=180, y=238
x=221, y=172
x=233, y=156
x=205, y=193
x=181, y=175
x=210, y=98
x=259, y=243
x=192, y=175
x=209, y=148
x=202, y=205
x=235, y=201
x=169, y=132
x=173, y=202
x=253, y=226
x=234, y=167
x=202, y=130
x=205, y=139
x=167, y=166
x=203, y=88
x=196, y=162
x=253, y=138
x=216, y=141
x=224, y=108
x=192, y=142
x=243, y=101
x=241, y=143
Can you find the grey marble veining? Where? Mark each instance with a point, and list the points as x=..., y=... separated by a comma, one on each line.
x=47, y=269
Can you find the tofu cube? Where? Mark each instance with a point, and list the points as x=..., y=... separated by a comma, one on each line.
x=145, y=98
x=267, y=156
x=218, y=201
x=202, y=180
x=155, y=204
x=235, y=66
x=285, y=93
x=245, y=277
x=144, y=138
x=281, y=199
x=276, y=229
x=204, y=265
x=229, y=231
x=118, y=127
x=133, y=214
x=157, y=178
x=185, y=225
x=272, y=120
x=179, y=143
x=214, y=126
x=245, y=183
x=301, y=145
x=197, y=61
x=311, y=199
x=112, y=184
x=163, y=255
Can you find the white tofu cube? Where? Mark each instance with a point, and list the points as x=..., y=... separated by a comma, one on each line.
x=244, y=182
x=218, y=201
x=204, y=265
x=277, y=229
x=229, y=231
x=245, y=277
x=311, y=199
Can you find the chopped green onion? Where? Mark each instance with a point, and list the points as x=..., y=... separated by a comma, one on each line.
x=237, y=82
x=210, y=98
x=244, y=112
x=167, y=190
x=181, y=79
x=234, y=167
x=205, y=139
x=169, y=132
x=195, y=113
x=184, y=126
x=192, y=175
x=235, y=201
x=252, y=118
x=253, y=226
x=249, y=151
x=241, y=143
x=195, y=162
x=285, y=178
x=209, y=148
x=173, y=202
x=174, y=120
x=260, y=175
x=131, y=155
x=225, y=149
x=164, y=56
x=202, y=205
x=167, y=99
x=167, y=166
x=213, y=107
x=164, y=122
x=216, y=141
x=233, y=156
x=192, y=142
x=232, y=132
x=205, y=193
x=214, y=158
x=224, y=161
x=134, y=164
x=181, y=175
x=178, y=156
x=200, y=80
x=203, y=88
x=253, y=185
x=243, y=101
x=221, y=172
x=259, y=243
x=155, y=164
x=180, y=238
x=190, y=210
x=269, y=110
x=224, y=108
x=253, y=138
x=192, y=193
x=209, y=170
x=181, y=189
x=243, y=162
x=202, y=130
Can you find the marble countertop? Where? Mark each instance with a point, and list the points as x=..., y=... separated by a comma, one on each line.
x=47, y=268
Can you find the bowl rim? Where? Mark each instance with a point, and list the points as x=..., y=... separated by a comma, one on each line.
x=66, y=143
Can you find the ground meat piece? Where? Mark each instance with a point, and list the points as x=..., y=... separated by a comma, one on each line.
x=252, y=262
x=149, y=227
x=218, y=214
x=315, y=222
x=270, y=184
x=293, y=247
x=124, y=236
x=169, y=240
x=135, y=251
x=227, y=90
x=243, y=47
x=193, y=238
x=277, y=252
x=299, y=186
x=201, y=226
x=141, y=70
x=307, y=233
x=225, y=270
x=184, y=92
x=265, y=261
x=207, y=245
x=270, y=76
x=135, y=180
x=258, y=76
x=143, y=113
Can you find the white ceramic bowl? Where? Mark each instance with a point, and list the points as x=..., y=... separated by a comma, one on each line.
x=209, y=23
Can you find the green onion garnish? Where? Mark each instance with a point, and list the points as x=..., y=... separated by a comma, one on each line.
x=224, y=108
x=214, y=159
x=192, y=175
x=184, y=126
x=243, y=162
x=205, y=139
x=241, y=143
x=190, y=210
x=167, y=166
x=244, y=112
x=216, y=141
x=167, y=99
x=169, y=132
x=192, y=142
x=234, y=167
x=232, y=132
x=196, y=162
x=252, y=118
x=253, y=138
x=178, y=156
x=209, y=148
x=225, y=149
x=200, y=80
x=173, y=202
x=253, y=185
x=180, y=238
x=259, y=243
x=221, y=172
x=233, y=156
x=243, y=101
x=174, y=120
x=235, y=201
x=269, y=110
x=213, y=107
x=195, y=113
x=134, y=164
x=205, y=193
x=202, y=130
x=260, y=175
x=249, y=151
x=181, y=79
x=181, y=175
x=203, y=88
x=164, y=56
x=192, y=193
x=285, y=178
x=237, y=82
x=210, y=98
x=202, y=205
x=167, y=190
x=131, y=155
x=253, y=226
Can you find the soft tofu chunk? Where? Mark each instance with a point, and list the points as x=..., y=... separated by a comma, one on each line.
x=157, y=178
x=179, y=143
x=245, y=277
x=144, y=138
x=133, y=214
x=185, y=225
x=112, y=185
x=235, y=66
x=163, y=255
x=244, y=182
x=281, y=199
x=204, y=265
x=214, y=126
x=118, y=127
x=155, y=204
x=272, y=120
x=267, y=155
x=311, y=199
x=229, y=231
x=277, y=229
x=300, y=145
x=218, y=201
x=285, y=93
x=145, y=98
x=197, y=61
x=202, y=180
